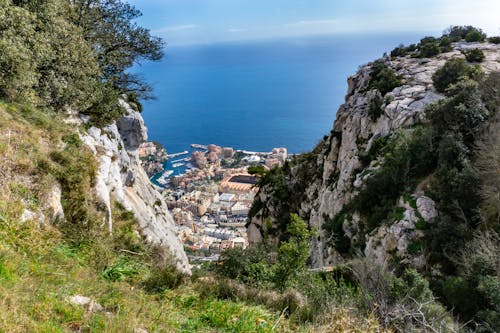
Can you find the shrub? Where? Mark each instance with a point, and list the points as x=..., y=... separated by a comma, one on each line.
x=377, y=147
x=383, y=78
x=445, y=44
x=163, y=278
x=494, y=39
x=337, y=237
x=405, y=303
x=475, y=35
x=450, y=73
x=457, y=33
x=251, y=265
x=122, y=269
x=375, y=107
x=258, y=170
x=429, y=47
x=474, y=55
x=399, y=51
x=293, y=253
x=408, y=158
x=487, y=162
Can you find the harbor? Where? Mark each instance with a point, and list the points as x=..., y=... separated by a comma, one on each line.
x=210, y=193
x=185, y=152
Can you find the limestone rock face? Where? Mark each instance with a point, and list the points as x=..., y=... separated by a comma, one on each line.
x=121, y=177
x=354, y=132
x=54, y=203
x=131, y=127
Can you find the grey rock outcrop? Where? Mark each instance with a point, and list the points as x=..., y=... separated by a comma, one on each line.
x=341, y=173
x=120, y=177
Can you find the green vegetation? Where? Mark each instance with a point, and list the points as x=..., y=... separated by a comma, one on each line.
x=453, y=158
x=456, y=151
x=431, y=46
x=63, y=54
x=383, y=78
x=258, y=170
x=452, y=71
x=286, y=197
x=494, y=39
x=43, y=264
x=474, y=55
x=376, y=147
x=375, y=107
x=256, y=267
x=459, y=33
x=407, y=158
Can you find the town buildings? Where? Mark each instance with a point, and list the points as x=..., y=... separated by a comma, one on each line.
x=210, y=203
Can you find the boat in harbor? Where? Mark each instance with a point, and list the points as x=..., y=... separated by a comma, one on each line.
x=163, y=178
x=185, y=152
x=198, y=146
x=176, y=165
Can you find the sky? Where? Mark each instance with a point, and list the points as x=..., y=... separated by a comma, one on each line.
x=192, y=22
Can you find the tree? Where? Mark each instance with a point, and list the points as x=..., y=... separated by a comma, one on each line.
x=45, y=60
x=292, y=254
x=258, y=170
x=118, y=42
x=457, y=33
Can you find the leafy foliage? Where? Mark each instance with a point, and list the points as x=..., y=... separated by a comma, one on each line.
x=494, y=39
x=64, y=54
x=429, y=47
x=256, y=170
x=375, y=107
x=118, y=42
x=474, y=55
x=383, y=78
x=408, y=158
x=293, y=253
x=286, y=195
x=458, y=33
x=452, y=71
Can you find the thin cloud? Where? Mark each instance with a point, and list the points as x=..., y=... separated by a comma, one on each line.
x=175, y=28
x=312, y=23
x=236, y=30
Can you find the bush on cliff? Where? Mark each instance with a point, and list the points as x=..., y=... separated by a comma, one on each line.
x=452, y=71
x=458, y=33
x=383, y=78
x=474, y=55
x=429, y=47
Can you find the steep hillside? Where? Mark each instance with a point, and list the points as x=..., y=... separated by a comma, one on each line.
x=61, y=270
x=346, y=157
x=401, y=178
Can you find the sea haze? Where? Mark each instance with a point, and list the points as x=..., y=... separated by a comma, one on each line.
x=255, y=95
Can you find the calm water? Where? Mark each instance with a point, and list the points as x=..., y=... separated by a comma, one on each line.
x=255, y=96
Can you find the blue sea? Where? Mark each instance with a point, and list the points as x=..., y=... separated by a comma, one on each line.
x=256, y=95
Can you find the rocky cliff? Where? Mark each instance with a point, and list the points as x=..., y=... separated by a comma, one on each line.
x=335, y=171
x=121, y=178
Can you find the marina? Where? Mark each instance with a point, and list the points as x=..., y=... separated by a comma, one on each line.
x=163, y=178
x=185, y=152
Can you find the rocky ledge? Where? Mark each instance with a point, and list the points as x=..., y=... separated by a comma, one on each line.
x=121, y=178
